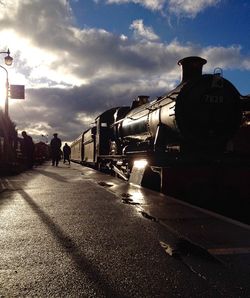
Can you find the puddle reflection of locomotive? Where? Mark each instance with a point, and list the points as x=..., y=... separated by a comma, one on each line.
x=183, y=136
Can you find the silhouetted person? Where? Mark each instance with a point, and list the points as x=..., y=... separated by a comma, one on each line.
x=66, y=153
x=28, y=149
x=55, y=148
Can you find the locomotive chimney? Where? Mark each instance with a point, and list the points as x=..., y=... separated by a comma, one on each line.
x=191, y=67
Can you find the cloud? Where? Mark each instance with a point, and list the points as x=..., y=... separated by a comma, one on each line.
x=150, y=4
x=143, y=32
x=183, y=8
x=189, y=8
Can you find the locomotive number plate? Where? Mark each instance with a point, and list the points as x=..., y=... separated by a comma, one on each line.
x=213, y=99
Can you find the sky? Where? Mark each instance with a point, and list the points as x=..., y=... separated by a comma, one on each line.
x=78, y=58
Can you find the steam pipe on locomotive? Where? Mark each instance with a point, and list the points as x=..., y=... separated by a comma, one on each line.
x=198, y=117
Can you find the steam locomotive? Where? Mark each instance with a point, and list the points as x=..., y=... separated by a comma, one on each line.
x=189, y=126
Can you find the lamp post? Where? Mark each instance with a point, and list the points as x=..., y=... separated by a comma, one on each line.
x=6, y=104
x=8, y=61
x=7, y=150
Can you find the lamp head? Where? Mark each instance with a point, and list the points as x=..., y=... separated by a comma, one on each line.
x=8, y=60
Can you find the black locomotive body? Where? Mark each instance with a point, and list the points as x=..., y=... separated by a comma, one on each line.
x=191, y=124
x=201, y=114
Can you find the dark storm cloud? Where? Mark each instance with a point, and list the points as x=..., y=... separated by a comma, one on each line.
x=91, y=52
x=49, y=25
x=70, y=111
x=42, y=21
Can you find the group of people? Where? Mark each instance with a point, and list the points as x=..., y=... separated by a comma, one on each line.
x=56, y=153
x=28, y=150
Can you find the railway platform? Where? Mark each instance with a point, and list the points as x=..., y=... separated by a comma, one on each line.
x=70, y=231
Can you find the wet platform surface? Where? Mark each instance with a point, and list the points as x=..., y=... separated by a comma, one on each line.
x=219, y=235
x=75, y=232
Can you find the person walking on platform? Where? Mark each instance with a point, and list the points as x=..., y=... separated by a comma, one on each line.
x=66, y=153
x=28, y=149
x=55, y=148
